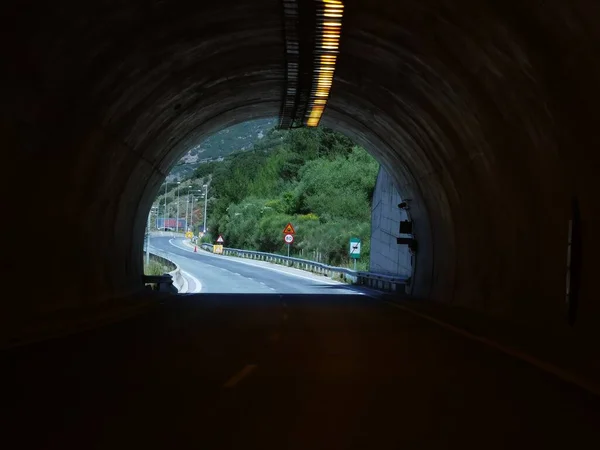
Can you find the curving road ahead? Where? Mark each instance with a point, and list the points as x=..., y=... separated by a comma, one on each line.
x=230, y=275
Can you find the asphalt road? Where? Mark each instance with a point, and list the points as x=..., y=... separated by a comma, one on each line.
x=231, y=275
x=284, y=371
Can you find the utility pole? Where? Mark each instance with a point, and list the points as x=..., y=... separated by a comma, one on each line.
x=187, y=205
x=192, y=214
x=205, y=203
x=148, y=235
x=178, y=183
x=177, y=219
x=165, y=211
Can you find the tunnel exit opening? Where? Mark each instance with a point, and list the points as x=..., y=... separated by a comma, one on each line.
x=234, y=193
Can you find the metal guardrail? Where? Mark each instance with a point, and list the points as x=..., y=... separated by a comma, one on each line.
x=168, y=282
x=370, y=279
x=163, y=283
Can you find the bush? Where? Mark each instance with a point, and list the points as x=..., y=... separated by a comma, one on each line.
x=154, y=268
x=314, y=178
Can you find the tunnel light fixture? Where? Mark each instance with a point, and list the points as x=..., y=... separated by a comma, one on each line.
x=329, y=15
x=312, y=41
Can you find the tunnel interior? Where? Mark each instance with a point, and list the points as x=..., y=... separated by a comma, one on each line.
x=482, y=112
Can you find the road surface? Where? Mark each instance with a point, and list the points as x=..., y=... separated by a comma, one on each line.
x=231, y=275
x=283, y=370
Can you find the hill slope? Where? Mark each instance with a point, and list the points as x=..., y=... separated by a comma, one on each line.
x=239, y=137
x=316, y=179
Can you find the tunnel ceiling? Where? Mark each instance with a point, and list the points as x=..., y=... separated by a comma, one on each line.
x=483, y=112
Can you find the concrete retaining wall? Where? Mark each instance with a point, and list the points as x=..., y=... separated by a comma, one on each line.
x=386, y=255
x=178, y=281
x=164, y=261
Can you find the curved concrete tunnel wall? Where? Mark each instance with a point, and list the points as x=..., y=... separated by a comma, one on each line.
x=482, y=112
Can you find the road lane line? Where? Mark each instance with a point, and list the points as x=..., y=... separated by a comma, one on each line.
x=323, y=280
x=547, y=367
x=315, y=280
x=195, y=280
x=235, y=260
x=234, y=380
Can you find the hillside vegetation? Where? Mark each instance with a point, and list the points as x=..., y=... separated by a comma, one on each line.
x=314, y=178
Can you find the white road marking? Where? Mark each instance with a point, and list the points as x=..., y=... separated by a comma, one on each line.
x=265, y=267
x=234, y=380
x=560, y=373
x=340, y=285
x=196, y=282
x=295, y=275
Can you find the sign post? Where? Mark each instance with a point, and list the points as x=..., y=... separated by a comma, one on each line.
x=288, y=239
x=354, y=250
x=218, y=247
x=288, y=236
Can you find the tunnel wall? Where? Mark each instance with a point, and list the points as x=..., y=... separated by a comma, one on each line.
x=484, y=114
x=386, y=255
x=100, y=101
x=495, y=136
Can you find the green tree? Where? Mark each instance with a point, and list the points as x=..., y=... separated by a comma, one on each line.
x=315, y=178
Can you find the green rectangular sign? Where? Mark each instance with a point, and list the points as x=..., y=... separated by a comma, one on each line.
x=354, y=248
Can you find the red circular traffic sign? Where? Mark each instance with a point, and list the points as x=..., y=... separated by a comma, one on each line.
x=288, y=238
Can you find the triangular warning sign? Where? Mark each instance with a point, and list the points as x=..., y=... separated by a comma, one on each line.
x=220, y=239
x=289, y=229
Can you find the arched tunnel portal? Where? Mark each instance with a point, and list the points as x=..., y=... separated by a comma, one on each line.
x=484, y=113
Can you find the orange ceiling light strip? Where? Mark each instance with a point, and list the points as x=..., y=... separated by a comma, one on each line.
x=327, y=43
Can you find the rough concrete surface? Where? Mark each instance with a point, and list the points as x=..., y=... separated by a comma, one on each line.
x=483, y=112
x=386, y=255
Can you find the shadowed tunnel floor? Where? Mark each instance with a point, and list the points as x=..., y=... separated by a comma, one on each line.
x=326, y=372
